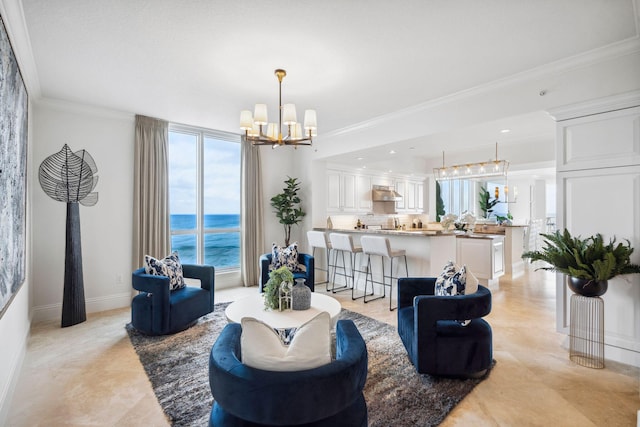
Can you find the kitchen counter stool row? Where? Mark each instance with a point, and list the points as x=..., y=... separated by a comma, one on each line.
x=342, y=255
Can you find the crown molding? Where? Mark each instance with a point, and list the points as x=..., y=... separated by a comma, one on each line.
x=596, y=106
x=13, y=18
x=79, y=108
x=615, y=50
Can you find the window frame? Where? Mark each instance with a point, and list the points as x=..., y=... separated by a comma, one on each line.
x=201, y=135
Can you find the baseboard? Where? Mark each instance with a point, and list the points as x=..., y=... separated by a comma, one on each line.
x=6, y=395
x=49, y=312
x=615, y=349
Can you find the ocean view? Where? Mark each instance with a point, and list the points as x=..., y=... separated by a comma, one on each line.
x=222, y=250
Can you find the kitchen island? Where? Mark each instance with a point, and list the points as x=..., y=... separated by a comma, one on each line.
x=427, y=250
x=489, y=254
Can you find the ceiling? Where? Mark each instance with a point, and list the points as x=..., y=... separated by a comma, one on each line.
x=200, y=62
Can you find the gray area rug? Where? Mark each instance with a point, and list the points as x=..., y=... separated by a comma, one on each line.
x=178, y=367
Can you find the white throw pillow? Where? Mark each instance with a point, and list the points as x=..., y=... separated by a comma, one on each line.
x=310, y=348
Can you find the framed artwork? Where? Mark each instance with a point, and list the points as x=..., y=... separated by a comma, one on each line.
x=13, y=172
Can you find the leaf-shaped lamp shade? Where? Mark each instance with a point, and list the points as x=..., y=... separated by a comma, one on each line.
x=69, y=177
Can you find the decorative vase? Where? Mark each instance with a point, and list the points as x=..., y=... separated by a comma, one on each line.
x=586, y=287
x=300, y=296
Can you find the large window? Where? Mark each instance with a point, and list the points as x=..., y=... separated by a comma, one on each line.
x=458, y=196
x=204, y=196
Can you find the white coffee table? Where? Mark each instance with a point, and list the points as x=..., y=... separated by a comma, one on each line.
x=253, y=306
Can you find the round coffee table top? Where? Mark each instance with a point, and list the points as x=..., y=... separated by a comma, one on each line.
x=253, y=306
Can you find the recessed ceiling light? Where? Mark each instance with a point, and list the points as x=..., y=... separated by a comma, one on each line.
x=505, y=130
x=364, y=167
x=390, y=171
x=392, y=152
x=359, y=158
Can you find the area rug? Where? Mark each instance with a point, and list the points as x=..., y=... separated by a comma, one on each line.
x=178, y=368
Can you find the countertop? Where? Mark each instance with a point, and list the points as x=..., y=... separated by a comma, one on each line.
x=411, y=232
x=414, y=232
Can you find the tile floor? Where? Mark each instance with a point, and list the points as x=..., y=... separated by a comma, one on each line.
x=89, y=374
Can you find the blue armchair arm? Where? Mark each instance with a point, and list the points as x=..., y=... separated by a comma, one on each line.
x=157, y=288
x=430, y=309
x=411, y=287
x=265, y=260
x=206, y=274
x=310, y=266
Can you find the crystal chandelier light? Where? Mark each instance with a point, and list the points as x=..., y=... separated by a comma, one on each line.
x=472, y=170
x=254, y=126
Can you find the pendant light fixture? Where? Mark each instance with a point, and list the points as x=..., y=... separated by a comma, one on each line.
x=254, y=125
x=495, y=167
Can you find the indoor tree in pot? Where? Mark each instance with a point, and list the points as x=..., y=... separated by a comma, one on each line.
x=588, y=263
x=287, y=208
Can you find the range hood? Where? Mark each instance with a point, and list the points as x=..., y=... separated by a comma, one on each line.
x=382, y=193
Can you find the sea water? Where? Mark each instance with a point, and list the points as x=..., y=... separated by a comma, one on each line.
x=222, y=250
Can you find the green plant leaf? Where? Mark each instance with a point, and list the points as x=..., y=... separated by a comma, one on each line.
x=588, y=258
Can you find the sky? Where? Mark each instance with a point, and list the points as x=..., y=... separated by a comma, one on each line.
x=221, y=180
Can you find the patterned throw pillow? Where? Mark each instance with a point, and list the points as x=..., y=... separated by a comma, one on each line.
x=444, y=283
x=170, y=266
x=452, y=282
x=285, y=257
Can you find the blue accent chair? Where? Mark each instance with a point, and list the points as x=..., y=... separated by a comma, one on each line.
x=330, y=395
x=158, y=311
x=304, y=259
x=430, y=329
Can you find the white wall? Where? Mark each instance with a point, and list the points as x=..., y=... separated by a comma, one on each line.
x=106, y=228
x=598, y=185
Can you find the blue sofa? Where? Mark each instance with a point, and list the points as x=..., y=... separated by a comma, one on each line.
x=430, y=329
x=158, y=311
x=330, y=395
x=304, y=259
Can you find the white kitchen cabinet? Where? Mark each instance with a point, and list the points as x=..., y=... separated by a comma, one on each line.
x=420, y=196
x=412, y=192
x=348, y=192
x=411, y=195
x=484, y=257
x=363, y=191
x=334, y=193
x=400, y=188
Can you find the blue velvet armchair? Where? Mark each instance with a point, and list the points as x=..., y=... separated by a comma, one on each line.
x=158, y=311
x=304, y=259
x=330, y=395
x=431, y=330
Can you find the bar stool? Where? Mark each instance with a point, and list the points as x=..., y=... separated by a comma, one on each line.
x=343, y=243
x=380, y=246
x=318, y=240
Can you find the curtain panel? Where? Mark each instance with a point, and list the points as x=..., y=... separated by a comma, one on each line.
x=251, y=214
x=151, y=228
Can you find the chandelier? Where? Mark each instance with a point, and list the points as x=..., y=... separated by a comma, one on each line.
x=254, y=126
x=472, y=170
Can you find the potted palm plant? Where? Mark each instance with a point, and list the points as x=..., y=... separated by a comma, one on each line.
x=588, y=263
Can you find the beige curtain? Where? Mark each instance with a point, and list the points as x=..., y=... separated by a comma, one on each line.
x=151, y=229
x=251, y=234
